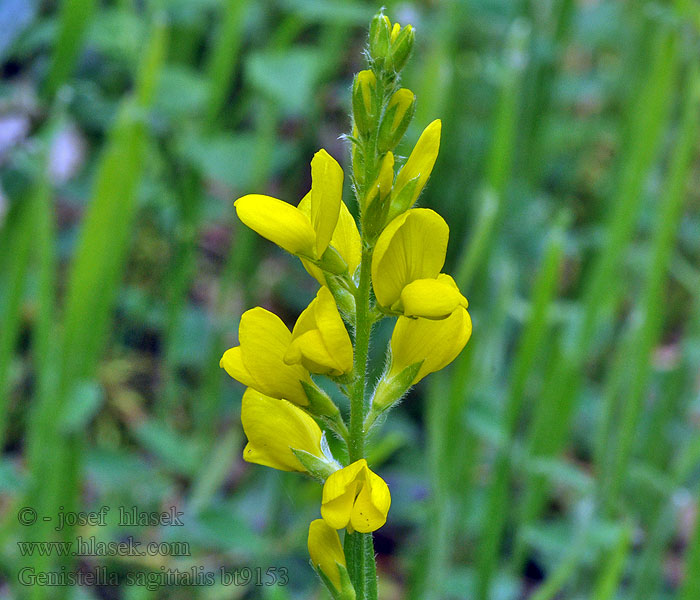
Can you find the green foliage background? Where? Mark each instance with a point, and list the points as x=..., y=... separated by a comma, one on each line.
x=559, y=456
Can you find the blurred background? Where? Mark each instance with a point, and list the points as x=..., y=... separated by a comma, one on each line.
x=558, y=457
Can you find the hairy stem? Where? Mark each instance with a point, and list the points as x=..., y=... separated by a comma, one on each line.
x=359, y=547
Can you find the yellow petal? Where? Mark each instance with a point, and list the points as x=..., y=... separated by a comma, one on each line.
x=273, y=427
x=435, y=342
x=278, y=222
x=346, y=240
x=411, y=247
x=394, y=32
x=431, y=298
x=326, y=194
x=325, y=550
x=264, y=342
x=232, y=362
x=320, y=341
x=338, y=511
x=371, y=505
x=421, y=161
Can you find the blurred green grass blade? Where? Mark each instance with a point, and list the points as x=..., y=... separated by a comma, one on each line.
x=41, y=434
x=651, y=311
x=530, y=342
x=612, y=570
x=554, y=412
x=94, y=280
x=101, y=252
x=74, y=18
x=16, y=247
x=691, y=583
x=500, y=158
x=223, y=56
x=550, y=32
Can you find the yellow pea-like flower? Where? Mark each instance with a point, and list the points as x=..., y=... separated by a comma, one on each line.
x=273, y=427
x=406, y=265
x=302, y=234
x=259, y=361
x=434, y=342
x=418, y=168
x=345, y=239
x=320, y=341
x=325, y=550
x=355, y=497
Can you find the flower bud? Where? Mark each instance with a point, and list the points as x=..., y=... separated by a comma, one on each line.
x=401, y=46
x=364, y=101
x=328, y=559
x=379, y=40
x=396, y=119
x=377, y=203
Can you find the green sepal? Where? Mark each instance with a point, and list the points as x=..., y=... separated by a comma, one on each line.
x=344, y=298
x=390, y=136
x=346, y=591
x=332, y=262
x=320, y=403
x=375, y=215
x=364, y=113
x=402, y=47
x=379, y=41
x=403, y=200
x=318, y=469
x=390, y=390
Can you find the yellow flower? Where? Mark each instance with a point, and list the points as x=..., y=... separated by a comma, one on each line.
x=406, y=265
x=273, y=427
x=325, y=550
x=259, y=361
x=320, y=341
x=412, y=178
x=345, y=239
x=302, y=234
x=356, y=498
x=435, y=342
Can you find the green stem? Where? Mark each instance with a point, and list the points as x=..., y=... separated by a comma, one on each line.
x=359, y=547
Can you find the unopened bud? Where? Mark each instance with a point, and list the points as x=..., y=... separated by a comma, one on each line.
x=379, y=40
x=396, y=119
x=401, y=46
x=378, y=198
x=364, y=101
